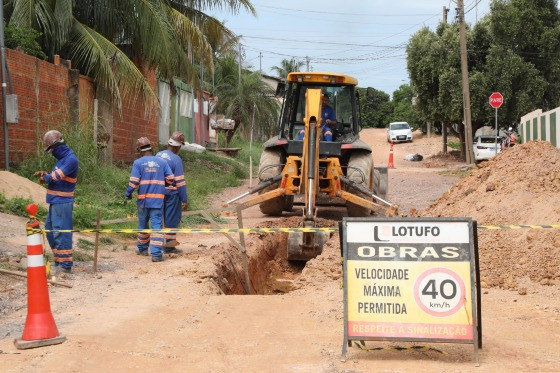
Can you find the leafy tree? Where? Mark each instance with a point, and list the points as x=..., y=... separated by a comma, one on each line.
x=288, y=66
x=240, y=101
x=531, y=30
x=104, y=37
x=24, y=39
x=403, y=111
x=375, y=107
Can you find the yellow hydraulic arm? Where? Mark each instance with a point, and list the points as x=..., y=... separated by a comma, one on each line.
x=310, y=153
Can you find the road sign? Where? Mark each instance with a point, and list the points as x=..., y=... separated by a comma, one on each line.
x=496, y=100
x=410, y=280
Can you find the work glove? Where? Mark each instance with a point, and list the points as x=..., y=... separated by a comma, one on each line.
x=40, y=174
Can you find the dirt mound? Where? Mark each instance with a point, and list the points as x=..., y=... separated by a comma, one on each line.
x=13, y=185
x=519, y=186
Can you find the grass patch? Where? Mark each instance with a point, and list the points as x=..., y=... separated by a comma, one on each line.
x=194, y=220
x=105, y=240
x=102, y=186
x=16, y=206
x=458, y=173
x=85, y=244
x=454, y=145
x=81, y=256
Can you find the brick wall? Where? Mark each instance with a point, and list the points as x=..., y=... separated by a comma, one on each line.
x=44, y=93
x=135, y=122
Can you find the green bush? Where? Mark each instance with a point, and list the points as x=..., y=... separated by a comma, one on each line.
x=25, y=39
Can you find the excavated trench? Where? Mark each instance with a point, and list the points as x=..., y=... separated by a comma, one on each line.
x=269, y=270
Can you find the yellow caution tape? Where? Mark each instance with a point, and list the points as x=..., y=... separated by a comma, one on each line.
x=260, y=230
x=191, y=230
x=521, y=226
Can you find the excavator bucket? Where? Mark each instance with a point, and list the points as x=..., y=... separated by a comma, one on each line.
x=303, y=246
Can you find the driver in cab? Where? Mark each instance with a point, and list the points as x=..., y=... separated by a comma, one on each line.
x=328, y=119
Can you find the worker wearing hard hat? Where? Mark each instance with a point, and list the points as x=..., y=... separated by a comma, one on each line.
x=150, y=175
x=61, y=182
x=176, y=198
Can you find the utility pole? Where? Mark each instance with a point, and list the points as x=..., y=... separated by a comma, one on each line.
x=3, y=62
x=443, y=126
x=465, y=78
x=445, y=10
x=307, y=61
x=260, y=63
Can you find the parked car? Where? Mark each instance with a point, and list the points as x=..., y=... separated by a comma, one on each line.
x=484, y=147
x=399, y=132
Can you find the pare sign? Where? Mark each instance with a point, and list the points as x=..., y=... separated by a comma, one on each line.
x=409, y=280
x=496, y=100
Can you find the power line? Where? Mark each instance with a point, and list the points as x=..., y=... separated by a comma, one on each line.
x=318, y=42
x=343, y=14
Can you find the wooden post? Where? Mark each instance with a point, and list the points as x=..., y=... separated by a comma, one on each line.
x=97, y=225
x=244, y=254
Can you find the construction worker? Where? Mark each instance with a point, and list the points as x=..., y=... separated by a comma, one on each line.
x=150, y=175
x=176, y=198
x=61, y=182
x=328, y=120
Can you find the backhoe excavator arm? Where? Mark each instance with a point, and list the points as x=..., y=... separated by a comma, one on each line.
x=310, y=155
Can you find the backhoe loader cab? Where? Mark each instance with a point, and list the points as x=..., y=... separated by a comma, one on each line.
x=303, y=165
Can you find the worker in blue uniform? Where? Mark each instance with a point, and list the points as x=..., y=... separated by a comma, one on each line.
x=176, y=198
x=150, y=175
x=61, y=182
x=328, y=120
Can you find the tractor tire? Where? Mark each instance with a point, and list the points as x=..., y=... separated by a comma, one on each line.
x=267, y=169
x=360, y=169
x=379, y=185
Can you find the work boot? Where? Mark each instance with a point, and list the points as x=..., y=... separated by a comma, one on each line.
x=171, y=243
x=172, y=251
x=157, y=258
x=141, y=252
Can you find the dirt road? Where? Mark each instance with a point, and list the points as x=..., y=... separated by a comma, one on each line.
x=135, y=315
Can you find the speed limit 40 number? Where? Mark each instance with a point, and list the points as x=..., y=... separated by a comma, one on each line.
x=439, y=292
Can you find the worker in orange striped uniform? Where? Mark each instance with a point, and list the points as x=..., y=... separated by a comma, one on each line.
x=61, y=182
x=150, y=175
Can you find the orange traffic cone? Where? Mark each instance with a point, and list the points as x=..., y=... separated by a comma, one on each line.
x=40, y=328
x=391, y=165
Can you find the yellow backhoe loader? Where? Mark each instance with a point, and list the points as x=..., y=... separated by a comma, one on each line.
x=300, y=165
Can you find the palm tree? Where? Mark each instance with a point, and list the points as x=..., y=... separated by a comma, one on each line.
x=238, y=101
x=104, y=37
x=288, y=66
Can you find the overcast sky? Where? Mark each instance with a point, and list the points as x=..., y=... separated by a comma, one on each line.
x=362, y=38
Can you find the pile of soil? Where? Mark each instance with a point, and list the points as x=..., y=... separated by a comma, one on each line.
x=13, y=185
x=519, y=186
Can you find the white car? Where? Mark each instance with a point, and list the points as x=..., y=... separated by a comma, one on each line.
x=399, y=132
x=484, y=147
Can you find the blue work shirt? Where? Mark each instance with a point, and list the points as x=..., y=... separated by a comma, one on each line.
x=176, y=164
x=62, y=180
x=150, y=174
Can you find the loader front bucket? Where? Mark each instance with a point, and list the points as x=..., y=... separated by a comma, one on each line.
x=306, y=245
